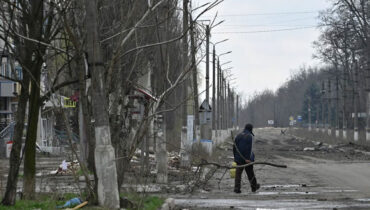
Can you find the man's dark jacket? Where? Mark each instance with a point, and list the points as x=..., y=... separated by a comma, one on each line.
x=243, y=142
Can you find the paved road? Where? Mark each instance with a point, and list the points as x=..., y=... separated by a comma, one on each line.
x=331, y=177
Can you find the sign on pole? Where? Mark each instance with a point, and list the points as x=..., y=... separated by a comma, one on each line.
x=190, y=130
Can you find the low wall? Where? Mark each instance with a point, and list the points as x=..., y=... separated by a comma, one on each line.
x=53, y=150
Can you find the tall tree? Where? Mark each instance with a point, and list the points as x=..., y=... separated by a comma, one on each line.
x=104, y=153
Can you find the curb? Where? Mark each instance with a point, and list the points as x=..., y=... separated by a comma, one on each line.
x=169, y=204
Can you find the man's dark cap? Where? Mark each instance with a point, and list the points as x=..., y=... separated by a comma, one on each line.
x=249, y=127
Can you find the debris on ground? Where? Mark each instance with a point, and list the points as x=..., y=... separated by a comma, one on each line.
x=174, y=160
x=66, y=168
x=71, y=203
x=79, y=206
x=318, y=143
x=126, y=203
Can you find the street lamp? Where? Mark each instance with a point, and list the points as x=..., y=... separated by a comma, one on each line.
x=225, y=63
x=224, y=54
x=214, y=44
x=214, y=125
x=227, y=69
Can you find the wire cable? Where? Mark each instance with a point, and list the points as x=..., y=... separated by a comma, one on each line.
x=264, y=31
x=269, y=13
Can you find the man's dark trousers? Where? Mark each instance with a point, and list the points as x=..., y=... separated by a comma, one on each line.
x=251, y=177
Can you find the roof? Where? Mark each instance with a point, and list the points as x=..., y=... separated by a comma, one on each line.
x=147, y=94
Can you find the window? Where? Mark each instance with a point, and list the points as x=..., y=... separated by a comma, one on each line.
x=3, y=68
x=3, y=103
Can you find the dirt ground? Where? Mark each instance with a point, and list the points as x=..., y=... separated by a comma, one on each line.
x=319, y=176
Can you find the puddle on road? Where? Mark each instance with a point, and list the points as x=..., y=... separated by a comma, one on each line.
x=268, y=204
x=286, y=193
x=337, y=191
x=363, y=199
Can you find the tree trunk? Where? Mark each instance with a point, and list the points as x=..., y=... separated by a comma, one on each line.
x=329, y=108
x=355, y=101
x=185, y=157
x=195, y=77
x=323, y=107
x=86, y=129
x=104, y=153
x=29, y=182
x=15, y=159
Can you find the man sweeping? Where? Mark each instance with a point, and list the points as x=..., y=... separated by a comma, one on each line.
x=243, y=154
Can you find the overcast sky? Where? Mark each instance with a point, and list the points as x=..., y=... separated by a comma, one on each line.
x=265, y=60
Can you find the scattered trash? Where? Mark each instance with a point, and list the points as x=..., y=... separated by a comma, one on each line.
x=64, y=165
x=66, y=168
x=71, y=203
x=79, y=206
x=174, y=160
x=318, y=143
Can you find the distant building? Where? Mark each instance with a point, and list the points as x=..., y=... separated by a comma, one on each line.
x=9, y=90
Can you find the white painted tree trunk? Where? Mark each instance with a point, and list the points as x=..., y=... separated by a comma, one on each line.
x=106, y=169
x=183, y=153
x=355, y=135
x=344, y=134
x=368, y=116
x=161, y=156
x=105, y=164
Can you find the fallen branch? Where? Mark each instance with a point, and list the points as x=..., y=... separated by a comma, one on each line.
x=205, y=163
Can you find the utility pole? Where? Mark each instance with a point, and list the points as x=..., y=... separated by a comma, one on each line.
x=207, y=63
x=337, y=107
x=323, y=106
x=219, y=97
x=184, y=150
x=223, y=115
x=329, y=107
x=214, y=108
x=229, y=106
x=317, y=117
x=227, y=111
x=309, y=113
x=232, y=110
x=206, y=126
x=226, y=105
x=237, y=111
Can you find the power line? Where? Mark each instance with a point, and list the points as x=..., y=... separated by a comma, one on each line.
x=271, y=13
x=263, y=31
x=266, y=25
